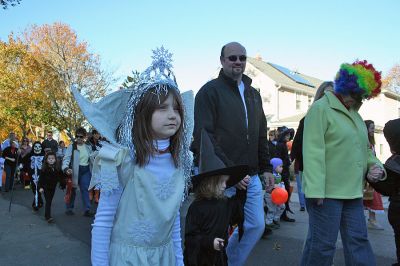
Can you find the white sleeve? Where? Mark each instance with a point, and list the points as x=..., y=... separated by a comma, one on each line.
x=102, y=227
x=177, y=240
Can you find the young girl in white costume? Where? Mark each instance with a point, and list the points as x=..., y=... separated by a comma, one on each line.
x=142, y=173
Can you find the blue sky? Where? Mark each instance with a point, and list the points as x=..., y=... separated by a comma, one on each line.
x=314, y=37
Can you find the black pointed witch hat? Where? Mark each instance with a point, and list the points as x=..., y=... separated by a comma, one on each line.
x=211, y=165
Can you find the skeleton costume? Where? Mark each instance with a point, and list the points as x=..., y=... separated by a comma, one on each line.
x=34, y=163
x=137, y=220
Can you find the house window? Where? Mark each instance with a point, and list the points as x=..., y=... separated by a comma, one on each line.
x=298, y=101
x=309, y=100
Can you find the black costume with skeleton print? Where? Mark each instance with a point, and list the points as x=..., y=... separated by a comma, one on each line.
x=33, y=165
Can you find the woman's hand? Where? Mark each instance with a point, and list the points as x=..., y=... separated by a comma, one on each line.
x=375, y=173
x=218, y=244
x=318, y=201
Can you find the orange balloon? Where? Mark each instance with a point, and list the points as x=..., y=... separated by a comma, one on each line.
x=279, y=196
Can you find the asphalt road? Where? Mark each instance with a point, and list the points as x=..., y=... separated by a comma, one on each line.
x=27, y=239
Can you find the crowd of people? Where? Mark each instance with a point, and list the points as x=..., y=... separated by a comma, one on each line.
x=146, y=169
x=41, y=166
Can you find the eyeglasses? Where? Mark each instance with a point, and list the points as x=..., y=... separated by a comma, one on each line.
x=79, y=136
x=234, y=58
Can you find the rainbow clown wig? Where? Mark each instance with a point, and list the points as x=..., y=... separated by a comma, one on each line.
x=358, y=79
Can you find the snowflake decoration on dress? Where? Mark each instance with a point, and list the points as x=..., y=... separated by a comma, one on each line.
x=164, y=189
x=142, y=232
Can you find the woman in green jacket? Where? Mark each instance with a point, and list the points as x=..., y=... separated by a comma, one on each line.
x=337, y=159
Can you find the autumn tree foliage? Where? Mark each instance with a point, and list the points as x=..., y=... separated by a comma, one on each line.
x=392, y=79
x=23, y=83
x=38, y=69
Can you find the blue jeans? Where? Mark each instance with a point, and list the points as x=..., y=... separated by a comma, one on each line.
x=253, y=223
x=10, y=170
x=83, y=181
x=325, y=221
x=300, y=192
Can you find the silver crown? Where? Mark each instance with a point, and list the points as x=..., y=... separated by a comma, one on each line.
x=157, y=76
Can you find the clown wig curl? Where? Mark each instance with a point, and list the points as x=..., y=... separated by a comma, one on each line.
x=359, y=78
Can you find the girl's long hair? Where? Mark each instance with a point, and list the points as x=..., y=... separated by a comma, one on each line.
x=142, y=131
x=46, y=166
x=370, y=138
x=209, y=188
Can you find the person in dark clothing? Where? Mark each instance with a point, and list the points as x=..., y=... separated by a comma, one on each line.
x=231, y=112
x=272, y=143
x=391, y=132
x=211, y=213
x=10, y=154
x=94, y=142
x=284, y=135
x=34, y=162
x=51, y=174
x=50, y=144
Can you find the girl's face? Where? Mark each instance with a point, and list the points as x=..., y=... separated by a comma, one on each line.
x=51, y=159
x=271, y=135
x=371, y=130
x=166, y=119
x=222, y=183
x=279, y=169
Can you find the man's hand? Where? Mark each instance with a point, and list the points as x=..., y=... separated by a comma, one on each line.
x=41, y=190
x=218, y=244
x=242, y=185
x=375, y=173
x=69, y=172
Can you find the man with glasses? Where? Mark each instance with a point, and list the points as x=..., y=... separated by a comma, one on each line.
x=230, y=110
x=50, y=144
x=76, y=163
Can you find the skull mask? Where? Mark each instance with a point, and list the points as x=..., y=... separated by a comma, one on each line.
x=37, y=148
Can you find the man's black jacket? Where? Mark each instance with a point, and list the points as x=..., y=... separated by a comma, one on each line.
x=220, y=111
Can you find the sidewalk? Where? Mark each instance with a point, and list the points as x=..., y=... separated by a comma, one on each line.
x=27, y=239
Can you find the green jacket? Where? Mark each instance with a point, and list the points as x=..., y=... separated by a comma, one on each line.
x=335, y=150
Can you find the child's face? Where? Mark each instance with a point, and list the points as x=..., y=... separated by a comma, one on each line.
x=279, y=169
x=51, y=159
x=222, y=183
x=371, y=129
x=166, y=120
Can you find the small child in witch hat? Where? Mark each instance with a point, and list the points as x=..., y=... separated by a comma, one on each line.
x=211, y=213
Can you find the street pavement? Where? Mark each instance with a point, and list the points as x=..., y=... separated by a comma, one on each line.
x=27, y=239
